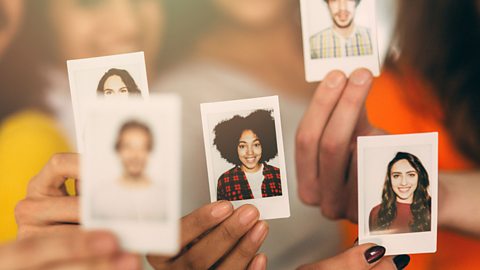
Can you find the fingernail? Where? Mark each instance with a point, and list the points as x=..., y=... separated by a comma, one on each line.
x=102, y=243
x=127, y=262
x=361, y=77
x=334, y=79
x=374, y=254
x=248, y=214
x=259, y=232
x=222, y=209
x=401, y=261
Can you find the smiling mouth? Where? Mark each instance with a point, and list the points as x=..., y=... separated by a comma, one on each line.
x=250, y=159
x=404, y=189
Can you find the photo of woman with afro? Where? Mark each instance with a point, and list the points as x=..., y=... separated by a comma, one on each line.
x=248, y=143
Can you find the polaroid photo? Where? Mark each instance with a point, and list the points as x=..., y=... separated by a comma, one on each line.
x=339, y=35
x=130, y=172
x=398, y=192
x=245, y=155
x=113, y=77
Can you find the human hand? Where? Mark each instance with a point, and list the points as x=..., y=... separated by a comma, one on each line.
x=326, y=156
x=47, y=207
x=216, y=236
x=67, y=250
x=363, y=257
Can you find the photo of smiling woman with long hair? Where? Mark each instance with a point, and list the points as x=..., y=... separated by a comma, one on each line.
x=406, y=202
x=248, y=143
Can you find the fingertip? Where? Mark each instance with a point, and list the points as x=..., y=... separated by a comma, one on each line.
x=335, y=79
x=128, y=261
x=361, y=76
x=259, y=262
x=102, y=242
x=221, y=209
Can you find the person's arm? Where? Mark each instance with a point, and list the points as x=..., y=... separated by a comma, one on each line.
x=213, y=235
x=459, y=202
x=71, y=250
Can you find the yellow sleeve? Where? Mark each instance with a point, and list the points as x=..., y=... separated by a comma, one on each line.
x=27, y=141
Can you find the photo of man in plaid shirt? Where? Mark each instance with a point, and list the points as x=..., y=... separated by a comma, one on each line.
x=344, y=38
x=248, y=143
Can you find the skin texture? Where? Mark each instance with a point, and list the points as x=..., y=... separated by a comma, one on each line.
x=249, y=151
x=114, y=86
x=404, y=181
x=211, y=233
x=343, y=15
x=134, y=152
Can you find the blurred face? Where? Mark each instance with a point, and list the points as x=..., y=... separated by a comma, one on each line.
x=11, y=13
x=342, y=12
x=114, y=86
x=88, y=28
x=249, y=150
x=134, y=150
x=404, y=180
x=254, y=13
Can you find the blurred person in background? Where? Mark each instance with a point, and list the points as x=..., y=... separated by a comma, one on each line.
x=52, y=32
x=431, y=86
x=246, y=49
x=72, y=29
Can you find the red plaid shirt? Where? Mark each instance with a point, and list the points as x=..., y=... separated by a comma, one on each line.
x=233, y=184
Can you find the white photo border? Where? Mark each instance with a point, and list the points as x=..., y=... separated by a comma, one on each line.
x=404, y=243
x=317, y=69
x=270, y=207
x=106, y=62
x=154, y=237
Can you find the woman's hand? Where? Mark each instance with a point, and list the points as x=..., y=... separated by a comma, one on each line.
x=214, y=234
x=67, y=250
x=326, y=156
x=363, y=257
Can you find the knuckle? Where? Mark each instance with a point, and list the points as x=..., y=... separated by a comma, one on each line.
x=329, y=146
x=245, y=251
x=331, y=213
x=228, y=233
x=57, y=161
x=305, y=139
x=23, y=210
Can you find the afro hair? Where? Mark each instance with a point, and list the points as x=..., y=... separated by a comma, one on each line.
x=228, y=132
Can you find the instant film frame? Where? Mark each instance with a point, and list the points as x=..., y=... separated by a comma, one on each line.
x=85, y=74
x=154, y=226
x=315, y=19
x=374, y=153
x=215, y=113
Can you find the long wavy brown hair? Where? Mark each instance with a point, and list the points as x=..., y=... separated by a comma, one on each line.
x=421, y=205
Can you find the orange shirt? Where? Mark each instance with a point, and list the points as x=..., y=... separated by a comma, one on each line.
x=405, y=105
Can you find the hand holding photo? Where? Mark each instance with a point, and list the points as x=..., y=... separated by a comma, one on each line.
x=244, y=150
x=339, y=34
x=397, y=185
x=129, y=185
x=109, y=78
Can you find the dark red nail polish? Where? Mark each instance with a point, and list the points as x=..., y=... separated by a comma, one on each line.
x=401, y=261
x=374, y=254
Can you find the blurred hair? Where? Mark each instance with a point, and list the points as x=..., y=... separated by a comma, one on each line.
x=441, y=40
x=134, y=124
x=356, y=1
x=228, y=132
x=21, y=85
x=421, y=204
x=127, y=79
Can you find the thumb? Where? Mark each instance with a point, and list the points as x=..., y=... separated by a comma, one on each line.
x=362, y=257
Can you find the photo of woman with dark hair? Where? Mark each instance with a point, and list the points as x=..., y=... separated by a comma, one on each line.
x=406, y=202
x=248, y=143
x=117, y=82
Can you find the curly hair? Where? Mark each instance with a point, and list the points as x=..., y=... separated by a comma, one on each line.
x=228, y=132
x=134, y=124
x=421, y=205
x=127, y=79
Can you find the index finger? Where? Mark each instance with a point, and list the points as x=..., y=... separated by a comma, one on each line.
x=310, y=131
x=50, y=180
